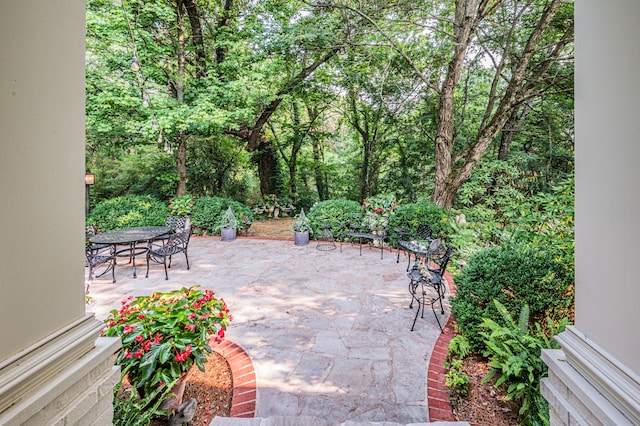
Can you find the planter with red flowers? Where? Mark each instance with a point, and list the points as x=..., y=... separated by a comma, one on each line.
x=164, y=334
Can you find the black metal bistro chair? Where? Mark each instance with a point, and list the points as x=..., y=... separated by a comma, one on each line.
x=162, y=252
x=177, y=224
x=422, y=279
x=96, y=258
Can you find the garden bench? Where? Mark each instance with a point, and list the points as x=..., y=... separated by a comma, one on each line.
x=370, y=229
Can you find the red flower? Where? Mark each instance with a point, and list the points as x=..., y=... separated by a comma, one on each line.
x=138, y=354
x=128, y=355
x=140, y=316
x=190, y=327
x=139, y=339
x=129, y=328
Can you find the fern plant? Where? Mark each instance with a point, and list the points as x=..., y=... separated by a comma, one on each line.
x=456, y=378
x=514, y=357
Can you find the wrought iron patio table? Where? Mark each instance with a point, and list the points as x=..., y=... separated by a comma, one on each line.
x=419, y=248
x=130, y=237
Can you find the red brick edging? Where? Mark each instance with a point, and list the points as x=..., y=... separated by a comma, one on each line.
x=243, y=402
x=437, y=396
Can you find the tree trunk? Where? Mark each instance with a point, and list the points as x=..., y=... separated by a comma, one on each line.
x=266, y=166
x=464, y=30
x=223, y=22
x=181, y=163
x=181, y=139
x=320, y=177
x=513, y=124
x=450, y=177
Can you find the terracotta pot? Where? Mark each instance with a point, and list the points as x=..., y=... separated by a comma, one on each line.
x=173, y=402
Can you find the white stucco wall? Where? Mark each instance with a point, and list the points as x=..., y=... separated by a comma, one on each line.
x=608, y=176
x=41, y=169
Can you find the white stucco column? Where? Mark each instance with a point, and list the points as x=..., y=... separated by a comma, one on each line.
x=50, y=359
x=595, y=378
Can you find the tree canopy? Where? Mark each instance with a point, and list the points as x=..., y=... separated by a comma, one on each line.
x=326, y=99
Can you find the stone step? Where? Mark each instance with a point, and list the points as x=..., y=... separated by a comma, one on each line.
x=312, y=421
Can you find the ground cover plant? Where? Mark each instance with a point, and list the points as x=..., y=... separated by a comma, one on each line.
x=514, y=350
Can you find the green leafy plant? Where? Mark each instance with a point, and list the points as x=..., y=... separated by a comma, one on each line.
x=131, y=410
x=514, y=357
x=459, y=347
x=181, y=206
x=128, y=211
x=207, y=213
x=409, y=216
x=541, y=277
x=165, y=333
x=334, y=213
x=301, y=223
x=379, y=205
x=228, y=220
x=456, y=379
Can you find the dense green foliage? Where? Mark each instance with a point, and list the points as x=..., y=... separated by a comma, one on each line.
x=514, y=356
x=208, y=211
x=334, y=213
x=129, y=409
x=128, y=211
x=456, y=379
x=409, y=216
x=515, y=275
x=339, y=106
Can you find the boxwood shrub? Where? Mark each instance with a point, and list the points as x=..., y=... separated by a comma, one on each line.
x=208, y=211
x=334, y=213
x=409, y=216
x=127, y=211
x=515, y=275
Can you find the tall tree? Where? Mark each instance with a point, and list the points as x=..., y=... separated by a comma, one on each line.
x=520, y=41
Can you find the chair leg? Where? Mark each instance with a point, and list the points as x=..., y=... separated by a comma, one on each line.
x=166, y=274
x=147, y=275
x=186, y=257
x=113, y=271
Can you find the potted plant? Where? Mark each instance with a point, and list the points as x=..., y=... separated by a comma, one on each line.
x=301, y=227
x=164, y=334
x=228, y=225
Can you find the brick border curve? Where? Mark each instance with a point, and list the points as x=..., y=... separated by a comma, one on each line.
x=437, y=396
x=243, y=401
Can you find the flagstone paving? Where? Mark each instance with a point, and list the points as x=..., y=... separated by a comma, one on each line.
x=328, y=332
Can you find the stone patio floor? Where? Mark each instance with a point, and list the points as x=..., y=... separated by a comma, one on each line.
x=328, y=332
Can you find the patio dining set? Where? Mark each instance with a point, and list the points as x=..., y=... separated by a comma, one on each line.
x=157, y=244
x=430, y=258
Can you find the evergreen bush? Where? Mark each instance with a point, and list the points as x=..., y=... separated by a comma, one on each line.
x=515, y=275
x=128, y=211
x=207, y=214
x=409, y=216
x=334, y=213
